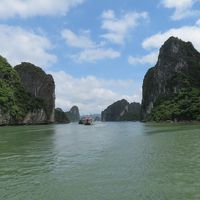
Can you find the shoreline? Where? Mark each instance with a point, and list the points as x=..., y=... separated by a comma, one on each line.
x=145, y=122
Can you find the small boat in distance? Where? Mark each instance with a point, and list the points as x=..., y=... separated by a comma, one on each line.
x=86, y=121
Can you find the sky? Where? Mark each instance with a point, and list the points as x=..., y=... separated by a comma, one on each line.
x=98, y=51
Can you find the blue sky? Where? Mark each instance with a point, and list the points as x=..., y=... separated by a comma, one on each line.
x=97, y=51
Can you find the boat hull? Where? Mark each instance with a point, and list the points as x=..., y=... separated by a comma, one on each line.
x=86, y=121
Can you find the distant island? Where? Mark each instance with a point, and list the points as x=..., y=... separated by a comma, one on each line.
x=61, y=117
x=122, y=111
x=66, y=117
x=73, y=115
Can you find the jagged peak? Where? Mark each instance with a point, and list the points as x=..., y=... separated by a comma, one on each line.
x=59, y=109
x=175, y=44
x=123, y=100
x=173, y=39
x=29, y=67
x=74, y=108
x=175, y=49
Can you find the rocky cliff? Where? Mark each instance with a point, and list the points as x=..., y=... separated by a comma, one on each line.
x=171, y=89
x=17, y=104
x=41, y=86
x=73, y=115
x=60, y=116
x=122, y=111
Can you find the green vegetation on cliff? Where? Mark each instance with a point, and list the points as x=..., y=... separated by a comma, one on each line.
x=60, y=116
x=73, y=115
x=122, y=111
x=40, y=86
x=183, y=106
x=171, y=89
x=14, y=100
x=129, y=116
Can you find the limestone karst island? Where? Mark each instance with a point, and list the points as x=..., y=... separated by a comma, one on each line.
x=99, y=100
x=171, y=92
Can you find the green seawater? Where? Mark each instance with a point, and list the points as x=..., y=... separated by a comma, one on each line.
x=106, y=161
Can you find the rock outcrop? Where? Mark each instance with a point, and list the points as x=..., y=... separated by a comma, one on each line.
x=171, y=89
x=36, y=116
x=122, y=111
x=18, y=103
x=73, y=115
x=14, y=101
x=41, y=86
x=60, y=116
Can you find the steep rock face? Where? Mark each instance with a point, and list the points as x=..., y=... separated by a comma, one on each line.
x=37, y=116
x=135, y=111
x=17, y=106
x=60, y=116
x=121, y=111
x=41, y=86
x=177, y=70
x=73, y=114
x=14, y=101
x=5, y=118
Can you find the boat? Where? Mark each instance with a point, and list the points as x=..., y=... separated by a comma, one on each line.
x=86, y=121
x=81, y=121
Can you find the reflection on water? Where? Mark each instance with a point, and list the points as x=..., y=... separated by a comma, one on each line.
x=129, y=161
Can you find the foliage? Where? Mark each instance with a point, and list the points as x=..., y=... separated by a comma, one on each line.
x=14, y=100
x=130, y=116
x=60, y=116
x=71, y=116
x=173, y=85
x=183, y=106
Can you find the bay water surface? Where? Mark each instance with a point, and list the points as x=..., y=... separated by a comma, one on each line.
x=106, y=161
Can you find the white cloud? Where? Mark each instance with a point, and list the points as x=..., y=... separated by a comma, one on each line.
x=90, y=51
x=79, y=41
x=183, y=8
x=186, y=33
x=118, y=28
x=108, y=14
x=198, y=23
x=17, y=45
x=29, y=8
x=150, y=58
x=91, y=94
x=154, y=42
x=94, y=54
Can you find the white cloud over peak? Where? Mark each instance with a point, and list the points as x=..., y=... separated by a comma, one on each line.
x=101, y=93
x=118, y=28
x=18, y=45
x=90, y=51
x=147, y=59
x=186, y=33
x=154, y=42
x=30, y=8
x=183, y=8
